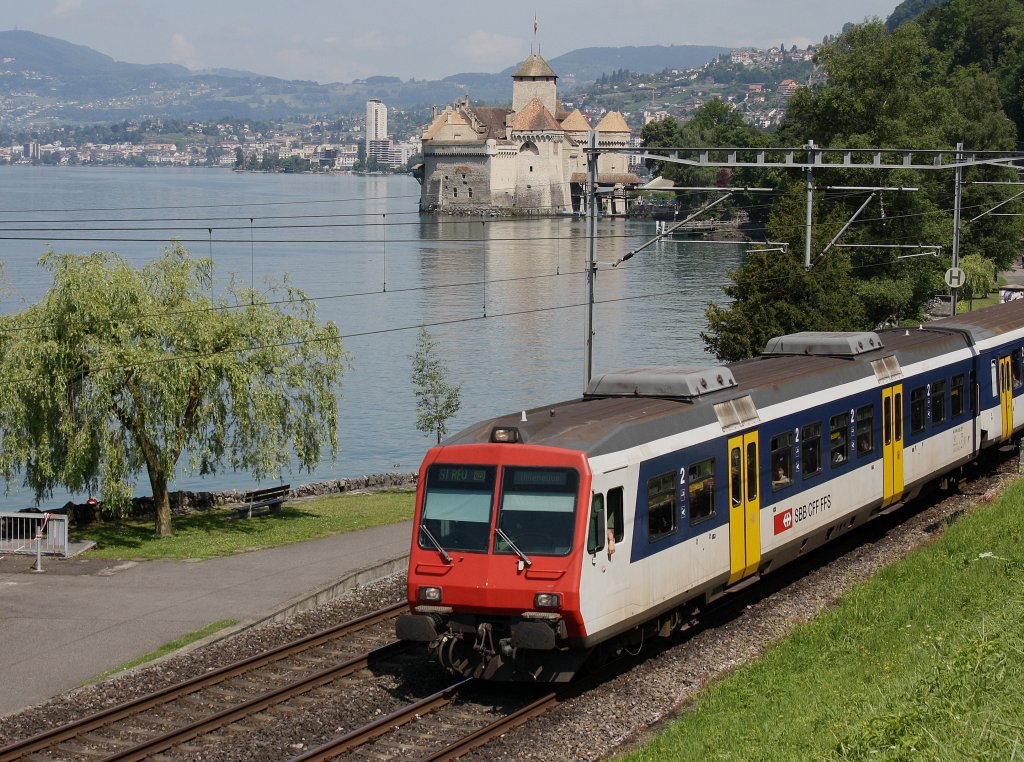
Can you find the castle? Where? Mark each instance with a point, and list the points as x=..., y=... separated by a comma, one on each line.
x=527, y=159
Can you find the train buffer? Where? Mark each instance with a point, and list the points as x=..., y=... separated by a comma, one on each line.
x=258, y=502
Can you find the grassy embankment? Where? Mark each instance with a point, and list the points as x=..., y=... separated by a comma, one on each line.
x=924, y=661
x=207, y=534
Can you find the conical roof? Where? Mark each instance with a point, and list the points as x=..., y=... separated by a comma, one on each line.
x=612, y=122
x=576, y=122
x=534, y=66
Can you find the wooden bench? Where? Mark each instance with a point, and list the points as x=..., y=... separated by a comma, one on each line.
x=270, y=498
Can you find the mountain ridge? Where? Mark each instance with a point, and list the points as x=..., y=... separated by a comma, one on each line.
x=46, y=80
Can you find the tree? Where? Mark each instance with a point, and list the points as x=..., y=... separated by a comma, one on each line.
x=772, y=294
x=981, y=276
x=119, y=369
x=436, y=399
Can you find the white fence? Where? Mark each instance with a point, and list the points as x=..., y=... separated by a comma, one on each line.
x=19, y=532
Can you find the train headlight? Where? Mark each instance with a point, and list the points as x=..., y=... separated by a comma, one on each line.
x=506, y=434
x=547, y=601
x=431, y=594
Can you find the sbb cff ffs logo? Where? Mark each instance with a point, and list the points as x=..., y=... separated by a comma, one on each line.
x=783, y=521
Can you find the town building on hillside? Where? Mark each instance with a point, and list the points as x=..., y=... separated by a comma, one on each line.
x=527, y=159
x=376, y=140
x=788, y=87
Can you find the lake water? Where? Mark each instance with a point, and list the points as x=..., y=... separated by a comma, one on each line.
x=379, y=270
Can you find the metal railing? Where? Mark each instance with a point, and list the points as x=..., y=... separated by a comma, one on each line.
x=34, y=534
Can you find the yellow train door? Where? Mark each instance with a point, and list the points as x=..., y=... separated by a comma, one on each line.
x=1006, y=396
x=744, y=507
x=892, y=444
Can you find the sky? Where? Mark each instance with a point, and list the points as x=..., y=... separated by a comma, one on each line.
x=340, y=40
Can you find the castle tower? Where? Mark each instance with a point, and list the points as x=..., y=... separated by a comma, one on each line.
x=534, y=79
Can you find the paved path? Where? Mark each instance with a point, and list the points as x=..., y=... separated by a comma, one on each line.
x=82, y=617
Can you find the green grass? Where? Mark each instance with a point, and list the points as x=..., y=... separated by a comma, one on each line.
x=207, y=534
x=924, y=661
x=167, y=648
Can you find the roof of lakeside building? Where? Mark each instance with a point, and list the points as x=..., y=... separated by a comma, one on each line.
x=612, y=122
x=576, y=122
x=446, y=117
x=534, y=117
x=493, y=118
x=534, y=66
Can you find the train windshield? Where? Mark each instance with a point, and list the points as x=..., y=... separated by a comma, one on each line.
x=538, y=510
x=457, y=506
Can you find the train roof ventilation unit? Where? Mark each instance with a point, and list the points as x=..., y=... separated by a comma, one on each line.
x=824, y=343
x=662, y=382
x=737, y=413
x=887, y=368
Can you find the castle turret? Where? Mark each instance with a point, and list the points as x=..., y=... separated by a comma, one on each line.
x=534, y=79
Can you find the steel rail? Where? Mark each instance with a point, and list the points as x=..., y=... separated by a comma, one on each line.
x=259, y=703
x=500, y=726
x=58, y=735
x=377, y=728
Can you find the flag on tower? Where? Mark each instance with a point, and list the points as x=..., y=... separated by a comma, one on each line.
x=535, y=23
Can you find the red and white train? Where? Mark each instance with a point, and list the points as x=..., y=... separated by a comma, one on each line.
x=579, y=529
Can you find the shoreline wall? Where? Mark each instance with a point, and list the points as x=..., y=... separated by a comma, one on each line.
x=184, y=502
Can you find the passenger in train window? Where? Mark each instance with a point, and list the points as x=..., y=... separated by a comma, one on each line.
x=837, y=439
x=780, y=478
x=863, y=444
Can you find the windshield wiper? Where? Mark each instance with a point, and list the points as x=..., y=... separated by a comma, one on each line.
x=442, y=551
x=522, y=556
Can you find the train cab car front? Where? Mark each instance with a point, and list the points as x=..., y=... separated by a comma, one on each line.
x=495, y=561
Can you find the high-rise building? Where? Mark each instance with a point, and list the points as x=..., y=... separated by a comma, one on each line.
x=376, y=123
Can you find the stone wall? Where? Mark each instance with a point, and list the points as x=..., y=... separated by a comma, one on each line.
x=185, y=502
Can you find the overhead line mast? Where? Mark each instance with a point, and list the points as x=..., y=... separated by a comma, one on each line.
x=813, y=157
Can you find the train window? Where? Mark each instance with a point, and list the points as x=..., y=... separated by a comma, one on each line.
x=810, y=449
x=886, y=421
x=751, y=471
x=782, y=460
x=865, y=430
x=615, y=525
x=938, y=401
x=995, y=380
x=1015, y=367
x=736, y=476
x=918, y=409
x=661, y=506
x=956, y=396
x=897, y=402
x=537, y=510
x=701, y=490
x=596, y=532
x=457, y=507
x=837, y=431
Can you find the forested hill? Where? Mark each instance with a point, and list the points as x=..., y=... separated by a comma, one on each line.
x=44, y=79
x=579, y=68
x=952, y=74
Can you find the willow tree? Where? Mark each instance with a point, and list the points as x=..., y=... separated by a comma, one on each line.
x=118, y=370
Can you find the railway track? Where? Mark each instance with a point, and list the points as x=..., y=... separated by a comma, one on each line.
x=138, y=728
x=429, y=729
x=469, y=714
x=446, y=724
